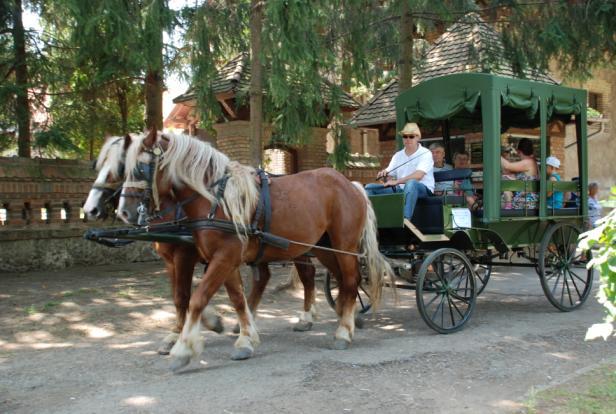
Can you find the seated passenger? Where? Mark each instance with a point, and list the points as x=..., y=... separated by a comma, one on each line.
x=555, y=198
x=525, y=170
x=594, y=208
x=462, y=187
x=410, y=170
x=438, y=155
x=507, y=196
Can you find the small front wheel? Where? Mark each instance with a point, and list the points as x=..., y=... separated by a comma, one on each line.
x=331, y=293
x=446, y=290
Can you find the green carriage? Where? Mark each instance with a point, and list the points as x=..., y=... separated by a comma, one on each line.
x=455, y=249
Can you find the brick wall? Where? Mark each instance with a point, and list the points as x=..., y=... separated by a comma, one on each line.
x=28, y=185
x=29, y=242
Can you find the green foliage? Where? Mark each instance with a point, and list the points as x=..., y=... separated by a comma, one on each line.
x=578, y=36
x=602, y=240
x=340, y=156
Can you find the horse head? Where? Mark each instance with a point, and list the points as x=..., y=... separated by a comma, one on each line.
x=144, y=186
x=104, y=195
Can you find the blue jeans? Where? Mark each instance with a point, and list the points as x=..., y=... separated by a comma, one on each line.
x=412, y=191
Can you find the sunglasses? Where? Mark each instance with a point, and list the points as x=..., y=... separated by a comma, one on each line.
x=409, y=136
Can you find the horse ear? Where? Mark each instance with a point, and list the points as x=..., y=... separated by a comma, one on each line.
x=150, y=139
x=127, y=141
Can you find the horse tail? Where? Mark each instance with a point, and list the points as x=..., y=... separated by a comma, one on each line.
x=376, y=264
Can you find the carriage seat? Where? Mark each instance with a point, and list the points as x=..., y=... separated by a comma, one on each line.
x=428, y=214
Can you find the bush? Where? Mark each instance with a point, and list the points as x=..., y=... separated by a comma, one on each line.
x=602, y=241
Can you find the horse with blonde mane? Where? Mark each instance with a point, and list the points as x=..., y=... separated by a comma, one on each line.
x=305, y=208
x=180, y=259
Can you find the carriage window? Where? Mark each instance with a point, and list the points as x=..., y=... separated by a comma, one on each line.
x=65, y=211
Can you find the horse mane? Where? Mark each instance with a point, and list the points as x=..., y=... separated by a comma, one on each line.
x=111, y=156
x=189, y=162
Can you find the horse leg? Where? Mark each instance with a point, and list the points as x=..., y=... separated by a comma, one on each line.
x=190, y=343
x=249, y=338
x=165, y=252
x=259, y=282
x=180, y=262
x=345, y=305
x=306, y=272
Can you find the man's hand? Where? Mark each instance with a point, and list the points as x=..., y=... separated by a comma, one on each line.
x=391, y=183
x=381, y=174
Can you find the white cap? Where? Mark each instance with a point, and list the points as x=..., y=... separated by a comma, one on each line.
x=553, y=161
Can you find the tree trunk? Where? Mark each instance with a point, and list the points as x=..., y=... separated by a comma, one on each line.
x=256, y=83
x=22, y=108
x=123, y=107
x=154, y=99
x=406, y=48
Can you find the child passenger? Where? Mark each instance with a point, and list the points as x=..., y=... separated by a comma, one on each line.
x=555, y=198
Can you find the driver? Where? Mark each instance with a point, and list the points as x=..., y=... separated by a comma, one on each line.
x=410, y=170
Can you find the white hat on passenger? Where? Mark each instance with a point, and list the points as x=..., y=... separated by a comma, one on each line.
x=410, y=128
x=553, y=161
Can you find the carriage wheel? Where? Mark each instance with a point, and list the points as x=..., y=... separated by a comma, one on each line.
x=446, y=290
x=332, y=291
x=482, y=274
x=564, y=278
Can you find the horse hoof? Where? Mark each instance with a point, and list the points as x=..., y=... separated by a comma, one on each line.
x=165, y=348
x=359, y=322
x=178, y=363
x=241, y=353
x=302, y=326
x=341, y=344
x=236, y=328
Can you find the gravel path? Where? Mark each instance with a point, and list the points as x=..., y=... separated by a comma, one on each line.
x=83, y=340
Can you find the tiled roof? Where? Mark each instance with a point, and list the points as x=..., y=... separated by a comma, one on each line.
x=470, y=45
x=235, y=76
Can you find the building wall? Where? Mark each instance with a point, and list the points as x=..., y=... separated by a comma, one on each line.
x=30, y=241
x=602, y=134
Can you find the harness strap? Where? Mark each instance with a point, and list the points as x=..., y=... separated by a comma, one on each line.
x=264, y=208
x=222, y=184
x=228, y=227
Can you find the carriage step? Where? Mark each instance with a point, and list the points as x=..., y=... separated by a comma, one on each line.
x=424, y=237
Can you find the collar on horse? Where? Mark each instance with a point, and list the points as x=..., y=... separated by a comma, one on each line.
x=263, y=210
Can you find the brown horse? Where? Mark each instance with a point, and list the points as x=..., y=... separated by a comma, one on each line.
x=180, y=259
x=305, y=207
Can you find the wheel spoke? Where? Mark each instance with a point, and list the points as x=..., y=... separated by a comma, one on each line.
x=555, y=284
x=574, y=284
x=457, y=309
x=453, y=322
x=584, y=281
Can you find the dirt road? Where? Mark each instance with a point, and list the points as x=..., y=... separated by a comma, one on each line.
x=84, y=340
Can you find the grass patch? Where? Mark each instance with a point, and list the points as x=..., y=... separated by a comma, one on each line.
x=80, y=292
x=49, y=306
x=32, y=309
x=590, y=393
x=127, y=293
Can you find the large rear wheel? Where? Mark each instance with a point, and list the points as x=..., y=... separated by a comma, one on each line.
x=446, y=290
x=562, y=267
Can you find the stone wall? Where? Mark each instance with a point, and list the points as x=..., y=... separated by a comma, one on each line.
x=41, y=222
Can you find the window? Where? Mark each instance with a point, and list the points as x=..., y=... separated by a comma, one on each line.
x=595, y=101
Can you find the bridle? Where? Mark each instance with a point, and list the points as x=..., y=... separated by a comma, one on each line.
x=110, y=190
x=144, y=178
